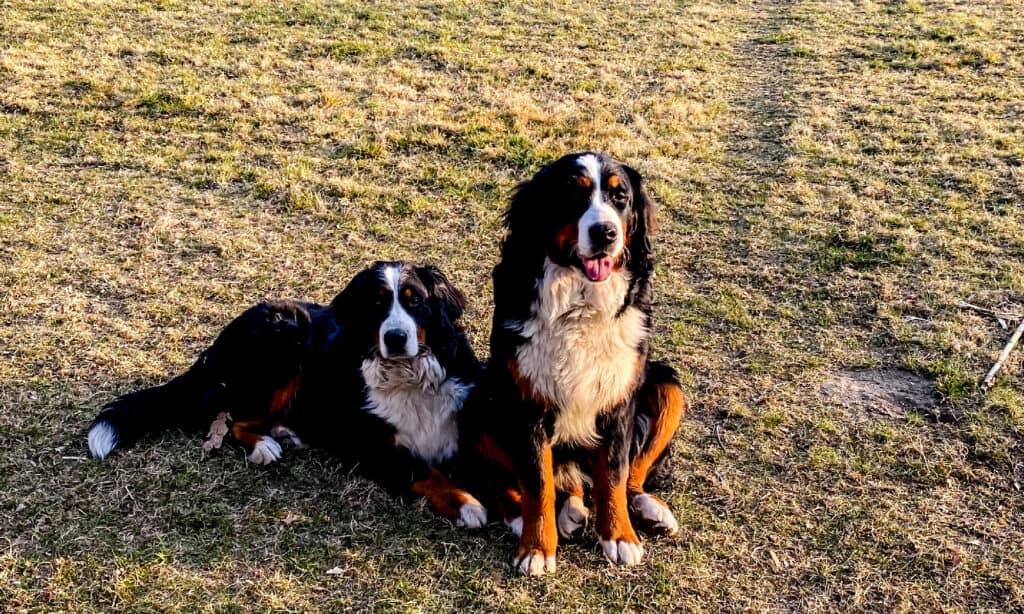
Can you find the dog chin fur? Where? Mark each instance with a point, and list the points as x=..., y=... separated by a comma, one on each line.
x=419, y=401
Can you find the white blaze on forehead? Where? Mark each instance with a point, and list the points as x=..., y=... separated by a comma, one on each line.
x=592, y=166
x=597, y=212
x=398, y=318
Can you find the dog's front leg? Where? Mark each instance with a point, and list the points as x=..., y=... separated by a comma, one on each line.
x=611, y=470
x=539, y=540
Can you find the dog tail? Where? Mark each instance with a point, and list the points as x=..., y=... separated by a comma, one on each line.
x=180, y=403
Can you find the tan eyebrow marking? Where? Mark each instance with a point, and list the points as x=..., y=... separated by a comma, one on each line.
x=583, y=181
x=613, y=181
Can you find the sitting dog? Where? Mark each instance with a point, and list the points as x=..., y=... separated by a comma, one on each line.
x=572, y=398
x=377, y=377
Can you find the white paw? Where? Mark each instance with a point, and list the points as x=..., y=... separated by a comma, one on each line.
x=622, y=552
x=516, y=524
x=102, y=439
x=472, y=515
x=534, y=563
x=265, y=452
x=288, y=435
x=656, y=513
x=572, y=517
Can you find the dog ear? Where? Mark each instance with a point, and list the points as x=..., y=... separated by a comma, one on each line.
x=522, y=217
x=643, y=220
x=450, y=298
x=347, y=304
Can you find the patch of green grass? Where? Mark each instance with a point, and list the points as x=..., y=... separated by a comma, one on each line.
x=864, y=252
x=777, y=38
x=165, y=104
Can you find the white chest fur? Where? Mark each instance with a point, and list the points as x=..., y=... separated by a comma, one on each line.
x=414, y=396
x=579, y=353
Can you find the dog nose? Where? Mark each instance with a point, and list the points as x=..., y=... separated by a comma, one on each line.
x=394, y=341
x=603, y=233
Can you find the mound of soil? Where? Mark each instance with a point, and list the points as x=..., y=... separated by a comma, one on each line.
x=883, y=392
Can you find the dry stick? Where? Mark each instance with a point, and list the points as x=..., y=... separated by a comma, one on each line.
x=999, y=315
x=991, y=377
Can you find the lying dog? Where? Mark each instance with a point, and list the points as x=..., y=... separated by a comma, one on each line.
x=572, y=398
x=377, y=377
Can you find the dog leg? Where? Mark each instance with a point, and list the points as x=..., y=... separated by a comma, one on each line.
x=660, y=409
x=451, y=502
x=539, y=540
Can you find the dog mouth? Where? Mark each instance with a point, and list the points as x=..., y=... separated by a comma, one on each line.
x=597, y=268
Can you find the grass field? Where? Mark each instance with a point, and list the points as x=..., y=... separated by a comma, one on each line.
x=833, y=178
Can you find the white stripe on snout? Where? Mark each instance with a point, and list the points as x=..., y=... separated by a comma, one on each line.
x=598, y=212
x=398, y=318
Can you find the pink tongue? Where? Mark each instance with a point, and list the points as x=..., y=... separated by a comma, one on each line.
x=598, y=269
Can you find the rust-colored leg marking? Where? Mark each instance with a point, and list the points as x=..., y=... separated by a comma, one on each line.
x=537, y=545
x=249, y=432
x=282, y=399
x=668, y=404
x=614, y=529
x=450, y=501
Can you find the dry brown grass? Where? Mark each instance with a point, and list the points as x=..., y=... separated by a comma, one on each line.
x=833, y=177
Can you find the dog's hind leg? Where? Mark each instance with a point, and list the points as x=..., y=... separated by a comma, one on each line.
x=660, y=407
x=263, y=449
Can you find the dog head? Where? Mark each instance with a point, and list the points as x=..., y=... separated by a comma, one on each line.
x=585, y=210
x=397, y=309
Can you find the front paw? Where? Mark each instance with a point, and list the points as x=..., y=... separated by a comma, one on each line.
x=472, y=515
x=623, y=551
x=533, y=562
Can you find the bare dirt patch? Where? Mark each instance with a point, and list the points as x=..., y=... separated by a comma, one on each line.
x=884, y=392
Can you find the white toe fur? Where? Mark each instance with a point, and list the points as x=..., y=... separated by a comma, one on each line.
x=622, y=552
x=572, y=517
x=534, y=564
x=265, y=452
x=472, y=515
x=102, y=439
x=516, y=524
x=657, y=513
x=286, y=434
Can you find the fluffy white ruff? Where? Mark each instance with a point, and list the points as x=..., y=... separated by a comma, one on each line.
x=622, y=552
x=266, y=451
x=102, y=439
x=580, y=353
x=415, y=397
x=656, y=513
x=534, y=563
x=572, y=517
x=516, y=525
x=472, y=515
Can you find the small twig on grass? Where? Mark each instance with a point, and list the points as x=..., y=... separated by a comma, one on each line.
x=999, y=315
x=1012, y=343
x=718, y=436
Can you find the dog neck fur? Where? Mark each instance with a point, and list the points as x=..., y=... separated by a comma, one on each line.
x=582, y=350
x=419, y=401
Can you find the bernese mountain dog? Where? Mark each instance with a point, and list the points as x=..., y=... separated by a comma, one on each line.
x=572, y=399
x=377, y=377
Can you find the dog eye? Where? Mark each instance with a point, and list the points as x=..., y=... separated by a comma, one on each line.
x=414, y=299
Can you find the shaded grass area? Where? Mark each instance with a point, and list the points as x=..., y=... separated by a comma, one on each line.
x=832, y=178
